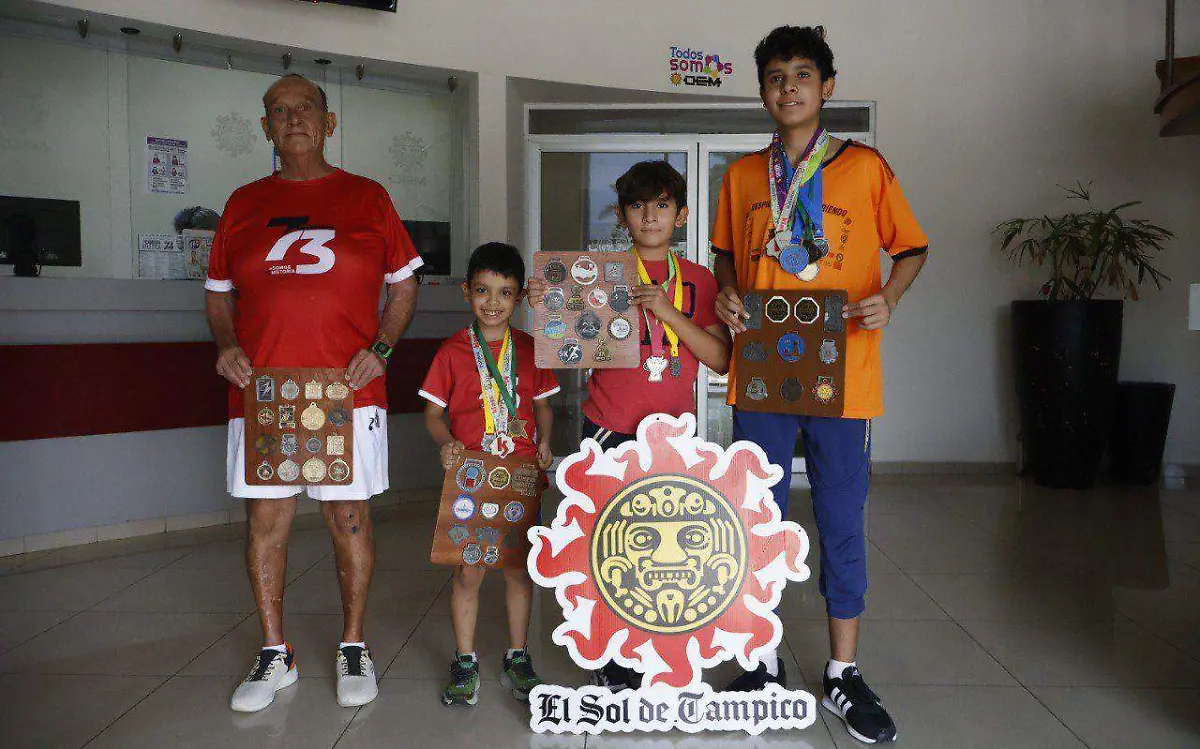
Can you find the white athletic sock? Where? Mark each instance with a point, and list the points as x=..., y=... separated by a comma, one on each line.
x=362, y=645
x=771, y=661
x=277, y=648
x=834, y=669
x=513, y=651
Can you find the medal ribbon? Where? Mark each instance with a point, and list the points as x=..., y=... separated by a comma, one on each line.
x=656, y=325
x=786, y=182
x=497, y=389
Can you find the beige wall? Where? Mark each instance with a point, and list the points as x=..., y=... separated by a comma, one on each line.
x=982, y=108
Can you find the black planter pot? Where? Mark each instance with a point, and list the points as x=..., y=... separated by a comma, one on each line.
x=1141, y=416
x=1067, y=356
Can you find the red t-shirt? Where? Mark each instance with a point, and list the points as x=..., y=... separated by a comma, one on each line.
x=308, y=260
x=620, y=398
x=453, y=384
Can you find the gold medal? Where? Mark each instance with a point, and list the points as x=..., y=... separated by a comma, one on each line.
x=313, y=470
x=337, y=391
x=335, y=444
x=312, y=390
x=266, y=416
x=313, y=418
x=339, y=471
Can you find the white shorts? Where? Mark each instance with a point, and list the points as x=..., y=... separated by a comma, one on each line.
x=370, y=463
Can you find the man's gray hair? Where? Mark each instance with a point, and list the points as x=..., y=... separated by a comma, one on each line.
x=324, y=98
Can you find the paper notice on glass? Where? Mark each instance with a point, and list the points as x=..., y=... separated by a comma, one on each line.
x=197, y=244
x=166, y=165
x=160, y=256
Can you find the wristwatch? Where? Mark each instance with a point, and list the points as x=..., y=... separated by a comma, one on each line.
x=382, y=350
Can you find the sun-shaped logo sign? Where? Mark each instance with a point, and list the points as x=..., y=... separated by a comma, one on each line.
x=668, y=554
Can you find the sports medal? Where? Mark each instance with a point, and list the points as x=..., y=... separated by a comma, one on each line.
x=619, y=328
x=655, y=365
x=458, y=534
x=472, y=554
x=753, y=305
x=312, y=390
x=790, y=347
x=288, y=443
x=555, y=327
x=791, y=390
x=463, y=507
x=264, y=444
x=601, y=352
x=498, y=387
x=312, y=445
x=489, y=510
x=516, y=428
x=756, y=389
x=338, y=416
x=289, y=390
x=807, y=311
x=657, y=362
x=265, y=471
x=571, y=352
x=288, y=471
x=793, y=258
x=554, y=299
x=588, y=325
x=266, y=416
x=675, y=366
x=487, y=534
x=797, y=238
x=525, y=480
x=833, y=314
x=829, y=351
x=312, y=418
x=287, y=416
x=513, y=511
x=499, y=478
x=597, y=298
x=824, y=391
x=470, y=475
x=492, y=555
x=313, y=470
x=337, y=391
x=265, y=389
x=754, y=351
x=335, y=444
x=778, y=309
x=339, y=471
x=619, y=298
x=575, y=302
x=614, y=272
x=555, y=272
x=584, y=271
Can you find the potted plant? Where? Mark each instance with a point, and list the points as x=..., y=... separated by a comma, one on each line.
x=1067, y=345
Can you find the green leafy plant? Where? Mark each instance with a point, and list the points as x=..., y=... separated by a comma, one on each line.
x=1087, y=250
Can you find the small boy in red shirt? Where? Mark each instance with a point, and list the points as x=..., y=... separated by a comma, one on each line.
x=485, y=394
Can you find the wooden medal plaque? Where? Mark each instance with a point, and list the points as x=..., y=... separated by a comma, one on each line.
x=586, y=320
x=488, y=505
x=792, y=359
x=299, y=427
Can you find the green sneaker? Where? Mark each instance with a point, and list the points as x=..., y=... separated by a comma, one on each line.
x=463, y=688
x=518, y=675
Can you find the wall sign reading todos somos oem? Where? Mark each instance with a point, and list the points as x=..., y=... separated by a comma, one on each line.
x=668, y=556
x=691, y=67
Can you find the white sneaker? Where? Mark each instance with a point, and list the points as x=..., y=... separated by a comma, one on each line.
x=272, y=671
x=356, y=684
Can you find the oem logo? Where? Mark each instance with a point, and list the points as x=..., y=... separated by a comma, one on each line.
x=691, y=67
x=668, y=556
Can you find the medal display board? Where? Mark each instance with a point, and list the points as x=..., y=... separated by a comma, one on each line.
x=488, y=505
x=299, y=427
x=586, y=320
x=792, y=358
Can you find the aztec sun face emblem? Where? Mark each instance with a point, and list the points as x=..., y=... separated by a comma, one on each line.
x=668, y=554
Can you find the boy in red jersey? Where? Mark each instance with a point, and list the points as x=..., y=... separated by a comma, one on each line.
x=486, y=395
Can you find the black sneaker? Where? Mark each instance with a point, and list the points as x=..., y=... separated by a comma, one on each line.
x=849, y=698
x=616, y=677
x=753, y=681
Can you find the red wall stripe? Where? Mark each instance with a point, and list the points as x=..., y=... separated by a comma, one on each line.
x=71, y=390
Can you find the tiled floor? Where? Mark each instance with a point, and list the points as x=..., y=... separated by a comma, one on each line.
x=1000, y=615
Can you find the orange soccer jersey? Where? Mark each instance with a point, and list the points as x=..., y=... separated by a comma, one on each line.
x=864, y=210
